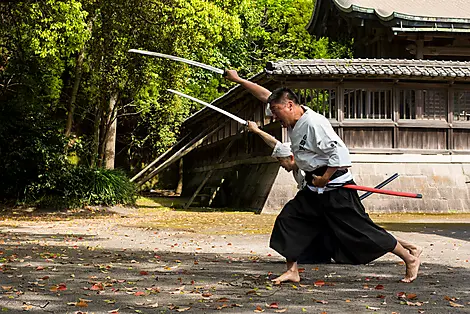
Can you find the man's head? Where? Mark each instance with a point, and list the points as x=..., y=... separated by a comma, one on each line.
x=288, y=163
x=283, y=153
x=283, y=104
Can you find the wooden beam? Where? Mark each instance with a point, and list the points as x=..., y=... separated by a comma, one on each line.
x=180, y=153
x=159, y=158
x=230, y=164
x=438, y=51
x=433, y=124
x=209, y=174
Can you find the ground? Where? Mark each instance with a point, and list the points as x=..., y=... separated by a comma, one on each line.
x=157, y=259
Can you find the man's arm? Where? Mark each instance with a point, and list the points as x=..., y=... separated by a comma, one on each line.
x=325, y=178
x=257, y=90
x=268, y=138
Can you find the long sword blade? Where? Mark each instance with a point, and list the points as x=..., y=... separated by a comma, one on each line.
x=191, y=62
x=228, y=114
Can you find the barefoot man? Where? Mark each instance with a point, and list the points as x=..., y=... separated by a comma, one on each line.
x=337, y=212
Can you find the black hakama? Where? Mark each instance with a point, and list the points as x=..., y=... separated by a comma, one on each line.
x=338, y=216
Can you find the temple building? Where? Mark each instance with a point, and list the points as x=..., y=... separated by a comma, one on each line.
x=401, y=105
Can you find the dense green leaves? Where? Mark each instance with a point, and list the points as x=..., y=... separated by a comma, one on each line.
x=65, y=69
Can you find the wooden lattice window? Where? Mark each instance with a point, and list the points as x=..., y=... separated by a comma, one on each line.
x=368, y=104
x=323, y=101
x=462, y=106
x=423, y=104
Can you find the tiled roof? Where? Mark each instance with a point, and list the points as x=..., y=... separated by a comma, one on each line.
x=370, y=67
x=431, y=10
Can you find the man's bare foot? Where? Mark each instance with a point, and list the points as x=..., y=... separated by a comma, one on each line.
x=411, y=270
x=292, y=276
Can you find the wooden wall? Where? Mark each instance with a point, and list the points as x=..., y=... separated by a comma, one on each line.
x=393, y=117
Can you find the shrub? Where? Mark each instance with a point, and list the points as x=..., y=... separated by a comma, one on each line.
x=80, y=186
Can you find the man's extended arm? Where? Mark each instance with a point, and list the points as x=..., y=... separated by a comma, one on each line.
x=257, y=90
x=268, y=138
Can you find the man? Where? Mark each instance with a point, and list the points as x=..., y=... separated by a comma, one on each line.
x=319, y=209
x=318, y=251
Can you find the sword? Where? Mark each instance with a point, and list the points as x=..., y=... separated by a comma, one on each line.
x=191, y=62
x=228, y=114
x=379, y=186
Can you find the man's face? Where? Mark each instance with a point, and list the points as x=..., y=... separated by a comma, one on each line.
x=287, y=163
x=281, y=111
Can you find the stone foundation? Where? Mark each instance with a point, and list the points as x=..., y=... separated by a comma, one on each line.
x=441, y=179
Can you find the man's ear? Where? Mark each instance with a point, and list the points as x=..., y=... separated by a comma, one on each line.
x=292, y=158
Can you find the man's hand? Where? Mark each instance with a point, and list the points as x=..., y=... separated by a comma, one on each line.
x=232, y=75
x=252, y=127
x=320, y=181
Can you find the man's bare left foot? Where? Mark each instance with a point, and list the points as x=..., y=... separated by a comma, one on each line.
x=292, y=276
x=411, y=270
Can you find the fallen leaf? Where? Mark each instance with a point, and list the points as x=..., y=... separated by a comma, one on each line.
x=280, y=310
x=206, y=295
x=27, y=307
x=183, y=309
x=81, y=304
x=320, y=301
x=222, y=300
x=273, y=305
x=401, y=295
x=139, y=293
x=97, y=287
x=59, y=287
x=301, y=270
x=372, y=308
x=259, y=309
x=453, y=304
x=449, y=298
x=411, y=296
x=414, y=303
x=319, y=283
x=222, y=306
x=144, y=273
x=379, y=287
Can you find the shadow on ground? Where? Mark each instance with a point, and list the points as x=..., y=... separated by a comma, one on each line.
x=44, y=278
x=459, y=231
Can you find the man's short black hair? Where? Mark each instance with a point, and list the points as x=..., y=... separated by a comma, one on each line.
x=279, y=93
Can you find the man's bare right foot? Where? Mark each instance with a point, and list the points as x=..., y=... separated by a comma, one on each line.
x=416, y=251
x=411, y=270
x=292, y=276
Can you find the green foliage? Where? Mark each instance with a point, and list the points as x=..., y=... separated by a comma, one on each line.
x=79, y=186
x=43, y=44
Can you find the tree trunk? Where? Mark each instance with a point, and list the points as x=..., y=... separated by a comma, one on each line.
x=179, y=188
x=110, y=138
x=73, y=98
x=96, y=137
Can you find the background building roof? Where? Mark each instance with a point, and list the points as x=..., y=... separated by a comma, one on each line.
x=431, y=10
x=371, y=67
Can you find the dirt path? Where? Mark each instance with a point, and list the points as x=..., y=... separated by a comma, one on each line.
x=155, y=260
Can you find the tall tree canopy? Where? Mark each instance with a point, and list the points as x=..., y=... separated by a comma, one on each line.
x=67, y=80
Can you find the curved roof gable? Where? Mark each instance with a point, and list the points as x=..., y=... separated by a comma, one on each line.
x=429, y=10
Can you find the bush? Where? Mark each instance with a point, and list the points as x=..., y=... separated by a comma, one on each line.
x=80, y=186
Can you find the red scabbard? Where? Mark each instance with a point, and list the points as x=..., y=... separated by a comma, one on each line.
x=380, y=191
